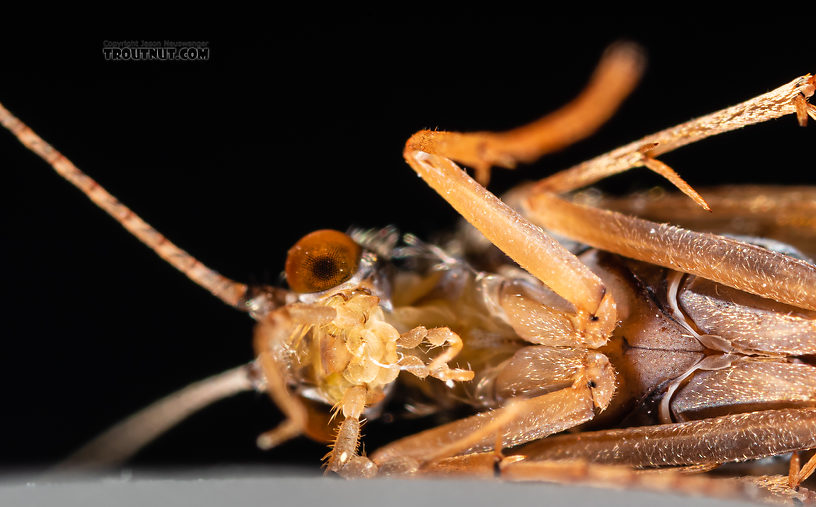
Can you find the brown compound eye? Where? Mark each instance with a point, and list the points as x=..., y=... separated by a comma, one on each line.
x=321, y=260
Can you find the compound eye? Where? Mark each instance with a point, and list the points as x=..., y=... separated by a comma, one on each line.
x=321, y=260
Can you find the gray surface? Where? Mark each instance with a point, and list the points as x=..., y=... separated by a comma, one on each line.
x=267, y=488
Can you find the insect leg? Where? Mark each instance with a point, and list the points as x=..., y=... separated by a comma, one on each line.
x=613, y=80
x=431, y=155
x=786, y=214
x=529, y=419
x=518, y=421
x=786, y=99
x=488, y=464
x=536, y=251
x=728, y=261
x=733, y=263
x=580, y=472
x=797, y=476
x=125, y=439
x=736, y=437
x=228, y=291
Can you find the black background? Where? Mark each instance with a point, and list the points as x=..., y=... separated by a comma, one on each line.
x=281, y=132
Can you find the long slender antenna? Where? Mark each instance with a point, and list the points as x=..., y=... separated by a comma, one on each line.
x=126, y=438
x=228, y=291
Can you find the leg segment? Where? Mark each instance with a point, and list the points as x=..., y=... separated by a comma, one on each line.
x=431, y=155
x=605, y=458
x=613, y=80
x=520, y=420
x=526, y=243
x=730, y=262
x=797, y=475
x=779, y=102
x=733, y=263
x=786, y=214
x=772, y=489
x=737, y=437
